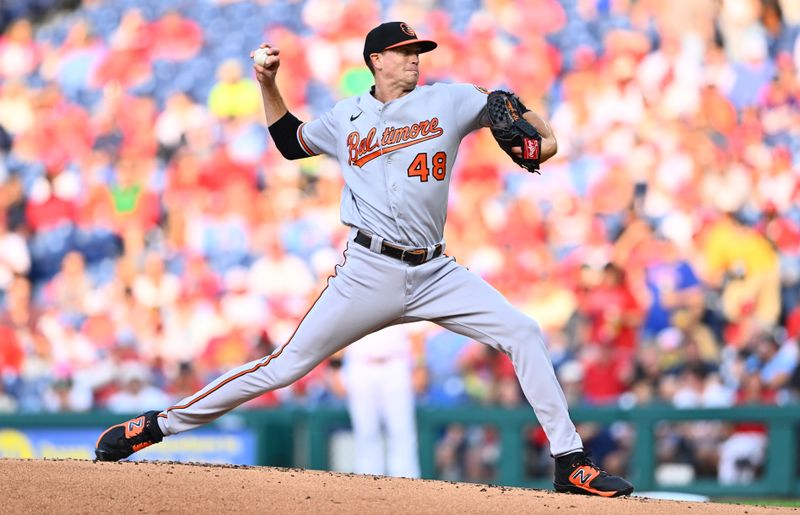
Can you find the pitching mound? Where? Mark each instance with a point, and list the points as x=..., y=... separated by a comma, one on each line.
x=45, y=486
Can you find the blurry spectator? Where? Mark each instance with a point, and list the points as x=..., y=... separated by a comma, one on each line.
x=282, y=278
x=136, y=118
x=715, y=112
x=646, y=378
x=554, y=305
x=741, y=454
x=674, y=289
x=60, y=133
x=74, y=64
x=14, y=203
x=6, y=141
x=611, y=311
x=71, y=289
x=221, y=172
x=17, y=113
x=183, y=189
x=155, y=287
x=185, y=383
x=11, y=351
x=18, y=325
x=136, y=391
x=128, y=63
x=670, y=75
x=221, y=232
x=484, y=370
x=794, y=385
x=151, y=342
x=179, y=117
x=691, y=359
x=445, y=385
x=246, y=140
x=19, y=52
x=234, y=95
x=189, y=326
x=605, y=377
x=47, y=207
x=772, y=361
x=175, y=37
x=64, y=395
x=198, y=280
x=754, y=71
x=223, y=352
x=765, y=369
x=784, y=234
x=781, y=37
x=778, y=109
x=15, y=259
x=619, y=100
x=72, y=350
x=530, y=78
x=745, y=266
x=689, y=393
x=467, y=453
x=450, y=453
x=570, y=375
x=36, y=375
x=778, y=186
x=793, y=323
x=240, y=305
x=120, y=287
x=7, y=403
x=132, y=205
x=725, y=183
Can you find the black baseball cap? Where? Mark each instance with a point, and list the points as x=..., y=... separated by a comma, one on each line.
x=393, y=34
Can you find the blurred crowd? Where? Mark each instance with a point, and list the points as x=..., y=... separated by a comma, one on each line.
x=151, y=236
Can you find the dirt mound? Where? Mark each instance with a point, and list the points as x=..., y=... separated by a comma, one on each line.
x=52, y=486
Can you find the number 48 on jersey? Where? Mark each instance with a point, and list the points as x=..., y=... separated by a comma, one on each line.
x=419, y=166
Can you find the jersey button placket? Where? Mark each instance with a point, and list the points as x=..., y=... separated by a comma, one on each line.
x=393, y=187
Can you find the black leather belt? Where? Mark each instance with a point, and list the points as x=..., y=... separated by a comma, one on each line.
x=411, y=256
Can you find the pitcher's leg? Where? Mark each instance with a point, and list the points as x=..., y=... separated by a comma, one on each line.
x=345, y=311
x=464, y=303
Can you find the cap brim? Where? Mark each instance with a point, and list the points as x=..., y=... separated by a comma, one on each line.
x=425, y=45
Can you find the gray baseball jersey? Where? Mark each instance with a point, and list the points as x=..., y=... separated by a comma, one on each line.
x=396, y=159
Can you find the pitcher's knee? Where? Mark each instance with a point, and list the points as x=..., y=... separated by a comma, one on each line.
x=526, y=330
x=524, y=334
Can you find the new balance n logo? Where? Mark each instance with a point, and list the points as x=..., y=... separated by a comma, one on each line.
x=134, y=427
x=582, y=476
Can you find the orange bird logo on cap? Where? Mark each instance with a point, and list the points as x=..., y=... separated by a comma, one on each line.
x=408, y=30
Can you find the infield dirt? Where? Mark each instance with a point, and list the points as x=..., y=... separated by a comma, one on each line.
x=69, y=486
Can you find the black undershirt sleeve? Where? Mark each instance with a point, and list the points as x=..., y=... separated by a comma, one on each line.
x=284, y=134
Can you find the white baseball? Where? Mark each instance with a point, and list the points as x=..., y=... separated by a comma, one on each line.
x=260, y=56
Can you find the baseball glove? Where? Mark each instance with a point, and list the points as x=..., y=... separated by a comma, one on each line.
x=510, y=129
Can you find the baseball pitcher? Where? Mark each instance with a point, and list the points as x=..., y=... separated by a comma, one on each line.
x=396, y=146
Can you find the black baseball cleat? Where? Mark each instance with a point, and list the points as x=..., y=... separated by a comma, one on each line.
x=577, y=474
x=120, y=441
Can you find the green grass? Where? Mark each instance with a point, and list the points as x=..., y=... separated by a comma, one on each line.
x=786, y=503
